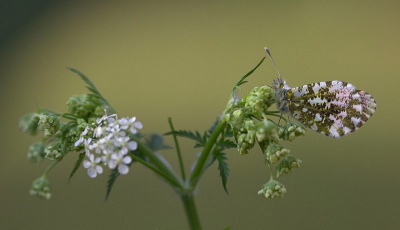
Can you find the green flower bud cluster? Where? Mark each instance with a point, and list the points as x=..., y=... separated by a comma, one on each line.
x=289, y=131
x=275, y=152
x=273, y=189
x=85, y=105
x=260, y=99
x=49, y=123
x=54, y=151
x=246, y=137
x=247, y=121
x=267, y=131
x=29, y=123
x=41, y=188
x=36, y=153
x=287, y=164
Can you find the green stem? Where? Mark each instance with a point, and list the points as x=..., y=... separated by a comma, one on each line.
x=198, y=168
x=178, y=150
x=157, y=162
x=191, y=211
x=47, y=170
x=158, y=172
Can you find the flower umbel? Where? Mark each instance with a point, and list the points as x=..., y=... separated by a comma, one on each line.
x=273, y=189
x=111, y=141
x=41, y=188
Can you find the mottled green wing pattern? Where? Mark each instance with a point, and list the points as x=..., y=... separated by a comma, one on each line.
x=332, y=108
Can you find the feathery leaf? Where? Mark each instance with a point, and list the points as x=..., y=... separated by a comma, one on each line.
x=77, y=165
x=111, y=180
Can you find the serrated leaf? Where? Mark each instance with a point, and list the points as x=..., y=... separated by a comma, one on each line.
x=111, y=180
x=90, y=86
x=77, y=165
x=193, y=136
x=222, y=167
x=227, y=144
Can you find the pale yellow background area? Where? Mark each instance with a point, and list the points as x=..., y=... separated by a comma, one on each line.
x=155, y=59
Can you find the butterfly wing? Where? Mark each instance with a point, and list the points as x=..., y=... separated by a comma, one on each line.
x=332, y=108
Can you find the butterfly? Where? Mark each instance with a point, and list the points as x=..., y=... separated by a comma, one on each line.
x=332, y=108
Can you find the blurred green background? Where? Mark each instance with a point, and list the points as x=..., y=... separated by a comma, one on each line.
x=155, y=59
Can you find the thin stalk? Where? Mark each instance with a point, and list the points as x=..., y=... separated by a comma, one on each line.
x=47, y=170
x=156, y=161
x=178, y=150
x=158, y=172
x=198, y=168
x=191, y=211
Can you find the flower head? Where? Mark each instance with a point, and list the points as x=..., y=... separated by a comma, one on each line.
x=112, y=140
x=41, y=188
x=273, y=189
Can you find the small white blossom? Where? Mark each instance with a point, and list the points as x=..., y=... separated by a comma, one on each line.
x=93, y=166
x=121, y=161
x=130, y=124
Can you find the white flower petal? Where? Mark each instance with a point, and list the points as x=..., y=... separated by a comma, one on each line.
x=123, y=151
x=123, y=169
x=132, y=145
x=138, y=124
x=87, y=164
x=92, y=172
x=112, y=164
x=79, y=141
x=127, y=160
x=133, y=130
x=99, y=169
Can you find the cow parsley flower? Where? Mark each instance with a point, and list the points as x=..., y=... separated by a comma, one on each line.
x=93, y=166
x=111, y=139
x=121, y=161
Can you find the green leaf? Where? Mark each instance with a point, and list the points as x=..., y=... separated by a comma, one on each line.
x=242, y=79
x=222, y=167
x=111, y=180
x=227, y=144
x=77, y=165
x=92, y=88
x=193, y=136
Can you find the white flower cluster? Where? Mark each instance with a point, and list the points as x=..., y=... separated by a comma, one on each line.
x=110, y=144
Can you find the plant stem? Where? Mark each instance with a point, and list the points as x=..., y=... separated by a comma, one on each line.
x=190, y=209
x=178, y=150
x=198, y=168
x=157, y=162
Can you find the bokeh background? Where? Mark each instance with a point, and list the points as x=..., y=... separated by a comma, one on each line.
x=154, y=59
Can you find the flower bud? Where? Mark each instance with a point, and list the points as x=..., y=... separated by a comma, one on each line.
x=237, y=119
x=41, y=188
x=266, y=130
x=290, y=131
x=273, y=189
x=286, y=165
x=275, y=152
x=260, y=99
x=49, y=123
x=83, y=105
x=29, y=123
x=36, y=153
x=53, y=151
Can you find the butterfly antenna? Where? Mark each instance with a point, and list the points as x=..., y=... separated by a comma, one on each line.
x=267, y=50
